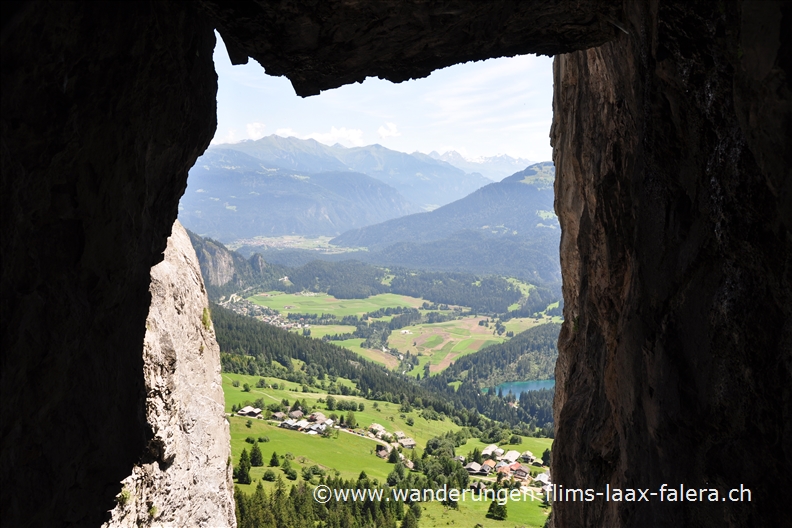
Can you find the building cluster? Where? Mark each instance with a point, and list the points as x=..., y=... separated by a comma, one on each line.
x=316, y=423
x=375, y=430
x=510, y=464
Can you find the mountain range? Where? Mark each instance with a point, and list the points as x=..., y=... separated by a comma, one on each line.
x=495, y=168
x=506, y=228
x=424, y=181
x=231, y=195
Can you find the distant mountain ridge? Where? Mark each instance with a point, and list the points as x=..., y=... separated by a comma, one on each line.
x=425, y=182
x=521, y=204
x=495, y=168
x=232, y=195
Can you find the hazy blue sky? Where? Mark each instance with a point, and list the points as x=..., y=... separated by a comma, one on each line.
x=499, y=106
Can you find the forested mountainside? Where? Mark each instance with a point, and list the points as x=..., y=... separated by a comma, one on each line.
x=232, y=195
x=521, y=204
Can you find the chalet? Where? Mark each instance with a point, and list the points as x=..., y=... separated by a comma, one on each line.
x=278, y=416
x=382, y=451
x=521, y=473
x=498, y=452
x=317, y=417
x=489, y=450
x=460, y=459
x=544, y=478
x=408, y=463
x=249, y=411
x=527, y=456
x=288, y=424
x=511, y=456
x=488, y=466
x=408, y=443
x=377, y=429
x=473, y=468
x=302, y=424
x=399, y=435
x=296, y=414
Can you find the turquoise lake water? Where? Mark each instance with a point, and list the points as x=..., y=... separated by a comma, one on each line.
x=516, y=387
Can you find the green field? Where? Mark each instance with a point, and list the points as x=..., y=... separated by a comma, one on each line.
x=436, y=344
x=322, y=303
x=348, y=454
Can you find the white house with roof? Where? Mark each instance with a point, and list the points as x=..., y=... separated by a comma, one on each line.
x=487, y=451
x=511, y=456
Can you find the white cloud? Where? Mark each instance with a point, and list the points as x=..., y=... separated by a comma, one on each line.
x=286, y=132
x=391, y=131
x=231, y=137
x=349, y=137
x=256, y=130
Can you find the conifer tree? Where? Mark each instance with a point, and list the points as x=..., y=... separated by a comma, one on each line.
x=274, y=462
x=256, y=460
x=242, y=471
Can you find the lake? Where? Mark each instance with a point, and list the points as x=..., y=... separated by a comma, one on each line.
x=516, y=387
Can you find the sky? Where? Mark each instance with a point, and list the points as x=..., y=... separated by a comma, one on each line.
x=485, y=108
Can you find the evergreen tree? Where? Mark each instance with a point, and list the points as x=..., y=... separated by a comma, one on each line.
x=256, y=460
x=497, y=511
x=409, y=520
x=274, y=462
x=546, y=457
x=242, y=471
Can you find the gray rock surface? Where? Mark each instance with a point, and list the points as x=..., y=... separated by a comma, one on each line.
x=185, y=479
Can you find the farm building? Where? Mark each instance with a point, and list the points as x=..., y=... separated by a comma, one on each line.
x=252, y=412
x=407, y=443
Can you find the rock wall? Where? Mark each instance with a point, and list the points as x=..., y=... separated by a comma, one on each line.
x=675, y=362
x=105, y=107
x=185, y=477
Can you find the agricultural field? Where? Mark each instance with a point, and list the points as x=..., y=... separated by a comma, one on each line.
x=436, y=344
x=318, y=303
x=348, y=453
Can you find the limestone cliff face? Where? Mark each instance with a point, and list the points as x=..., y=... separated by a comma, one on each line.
x=675, y=359
x=185, y=477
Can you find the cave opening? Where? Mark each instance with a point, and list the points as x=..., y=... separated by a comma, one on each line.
x=671, y=143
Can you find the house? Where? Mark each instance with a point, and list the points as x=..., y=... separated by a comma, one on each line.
x=408, y=463
x=302, y=424
x=317, y=417
x=527, y=456
x=544, y=478
x=382, y=451
x=278, y=416
x=473, y=467
x=249, y=411
x=498, y=452
x=288, y=424
x=488, y=466
x=377, y=429
x=408, y=443
x=501, y=464
x=511, y=456
x=399, y=435
x=521, y=473
x=296, y=414
x=489, y=450
x=460, y=459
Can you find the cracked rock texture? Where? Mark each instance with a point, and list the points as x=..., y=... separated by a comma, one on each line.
x=185, y=477
x=673, y=194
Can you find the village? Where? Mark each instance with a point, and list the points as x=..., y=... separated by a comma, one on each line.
x=498, y=464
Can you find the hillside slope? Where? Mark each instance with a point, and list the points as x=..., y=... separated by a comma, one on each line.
x=521, y=204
